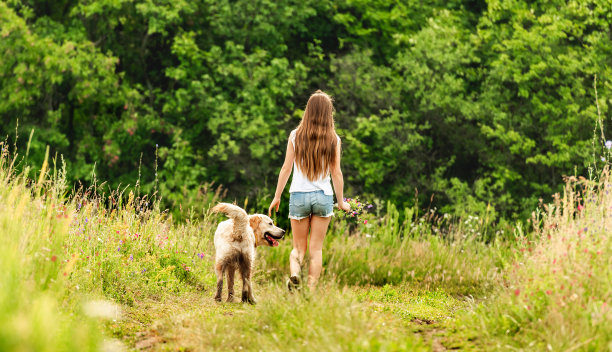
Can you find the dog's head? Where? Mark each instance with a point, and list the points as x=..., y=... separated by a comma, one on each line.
x=265, y=231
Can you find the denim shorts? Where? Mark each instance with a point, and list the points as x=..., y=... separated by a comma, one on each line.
x=304, y=204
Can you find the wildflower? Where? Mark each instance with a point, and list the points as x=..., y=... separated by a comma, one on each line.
x=53, y=258
x=365, y=222
x=517, y=292
x=86, y=220
x=603, y=159
x=201, y=255
x=369, y=206
x=131, y=257
x=580, y=207
x=548, y=292
x=144, y=270
x=119, y=249
x=608, y=144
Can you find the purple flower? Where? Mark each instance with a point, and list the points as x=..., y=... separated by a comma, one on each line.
x=369, y=206
x=201, y=255
x=131, y=257
x=119, y=249
x=85, y=219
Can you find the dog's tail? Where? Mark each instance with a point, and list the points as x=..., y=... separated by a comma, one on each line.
x=236, y=213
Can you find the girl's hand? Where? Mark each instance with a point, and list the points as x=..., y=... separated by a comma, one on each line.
x=275, y=204
x=344, y=205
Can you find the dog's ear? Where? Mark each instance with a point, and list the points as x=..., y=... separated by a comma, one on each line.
x=254, y=222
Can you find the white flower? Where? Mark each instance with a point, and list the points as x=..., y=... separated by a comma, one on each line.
x=608, y=144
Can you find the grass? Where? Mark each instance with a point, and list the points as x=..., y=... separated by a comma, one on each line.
x=86, y=270
x=557, y=296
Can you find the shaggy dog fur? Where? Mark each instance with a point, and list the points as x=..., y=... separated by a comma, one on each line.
x=235, y=243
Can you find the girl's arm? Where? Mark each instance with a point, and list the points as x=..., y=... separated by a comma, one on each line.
x=283, y=177
x=338, y=181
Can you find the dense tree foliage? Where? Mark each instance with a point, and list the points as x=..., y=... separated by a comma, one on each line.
x=484, y=104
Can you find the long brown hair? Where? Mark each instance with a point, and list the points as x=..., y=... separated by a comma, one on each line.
x=315, y=138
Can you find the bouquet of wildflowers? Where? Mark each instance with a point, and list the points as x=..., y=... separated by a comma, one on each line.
x=357, y=213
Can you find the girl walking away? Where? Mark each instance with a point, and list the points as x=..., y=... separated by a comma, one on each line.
x=313, y=152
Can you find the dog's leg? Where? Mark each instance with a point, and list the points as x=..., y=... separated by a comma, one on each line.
x=251, y=297
x=231, y=269
x=219, y=268
x=247, y=289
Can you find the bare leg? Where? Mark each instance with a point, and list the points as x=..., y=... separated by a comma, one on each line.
x=300, y=243
x=219, y=268
x=318, y=229
x=231, y=269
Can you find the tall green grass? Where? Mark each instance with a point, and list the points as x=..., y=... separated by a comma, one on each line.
x=62, y=252
x=387, y=251
x=558, y=292
x=34, y=226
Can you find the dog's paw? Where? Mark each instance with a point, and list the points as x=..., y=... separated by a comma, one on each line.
x=247, y=299
x=218, y=298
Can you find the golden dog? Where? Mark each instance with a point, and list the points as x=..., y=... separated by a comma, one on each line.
x=235, y=243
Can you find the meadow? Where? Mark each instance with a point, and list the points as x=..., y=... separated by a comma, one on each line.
x=88, y=269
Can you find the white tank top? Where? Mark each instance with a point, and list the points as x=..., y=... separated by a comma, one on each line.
x=301, y=183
